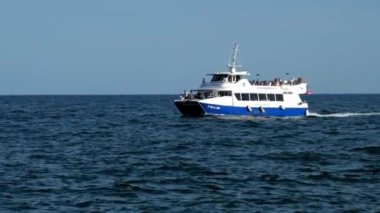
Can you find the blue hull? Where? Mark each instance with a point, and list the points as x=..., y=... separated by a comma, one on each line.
x=211, y=109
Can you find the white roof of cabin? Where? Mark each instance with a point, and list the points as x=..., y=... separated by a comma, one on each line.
x=230, y=73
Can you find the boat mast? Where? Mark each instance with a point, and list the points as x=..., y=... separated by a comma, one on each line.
x=232, y=65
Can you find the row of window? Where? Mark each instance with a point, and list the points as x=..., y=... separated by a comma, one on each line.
x=224, y=93
x=226, y=78
x=259, y=97
x=253, y=96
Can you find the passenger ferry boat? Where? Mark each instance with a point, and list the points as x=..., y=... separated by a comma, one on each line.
x=231, y=93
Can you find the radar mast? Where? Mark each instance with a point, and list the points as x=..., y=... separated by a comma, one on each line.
x=232, y=65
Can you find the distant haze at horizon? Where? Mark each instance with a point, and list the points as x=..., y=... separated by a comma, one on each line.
x=165, y=47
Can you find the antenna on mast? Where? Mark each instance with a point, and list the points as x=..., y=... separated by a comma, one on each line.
x=232, y=65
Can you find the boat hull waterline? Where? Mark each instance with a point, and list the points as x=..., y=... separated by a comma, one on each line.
x=197, y=109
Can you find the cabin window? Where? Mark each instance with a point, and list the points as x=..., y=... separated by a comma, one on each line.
x=230, y=78
x=279, y=97
x=238, y=78
x=253, y=97
x=218, y=77
x=237, y=95
x=224, y=93
x=271, y=97
x=208, y=94
x=262, y=97
x=245, y=97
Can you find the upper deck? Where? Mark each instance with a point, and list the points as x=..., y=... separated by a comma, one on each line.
x=238, y=80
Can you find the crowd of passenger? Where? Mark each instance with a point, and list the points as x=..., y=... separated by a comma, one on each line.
x=278, y=82
x=199, y=95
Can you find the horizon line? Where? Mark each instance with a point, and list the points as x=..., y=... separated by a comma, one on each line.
x=153, y=94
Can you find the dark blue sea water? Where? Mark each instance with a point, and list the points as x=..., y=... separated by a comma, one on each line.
x=137, y=154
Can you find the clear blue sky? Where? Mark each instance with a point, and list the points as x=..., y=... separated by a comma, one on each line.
x=166, y=46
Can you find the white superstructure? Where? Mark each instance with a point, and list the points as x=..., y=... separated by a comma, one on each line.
x=231, y=93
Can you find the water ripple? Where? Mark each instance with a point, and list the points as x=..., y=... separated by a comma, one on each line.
x=137, y=154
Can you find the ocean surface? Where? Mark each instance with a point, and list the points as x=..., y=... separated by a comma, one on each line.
x=138, y=154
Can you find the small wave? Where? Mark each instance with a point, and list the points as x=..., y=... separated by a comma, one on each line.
x=343, y=114
x=374, y=150
x=234, y=118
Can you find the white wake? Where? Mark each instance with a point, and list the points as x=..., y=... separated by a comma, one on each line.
x=343, y=115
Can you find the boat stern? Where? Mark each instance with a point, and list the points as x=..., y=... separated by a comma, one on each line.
x=189, y=108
